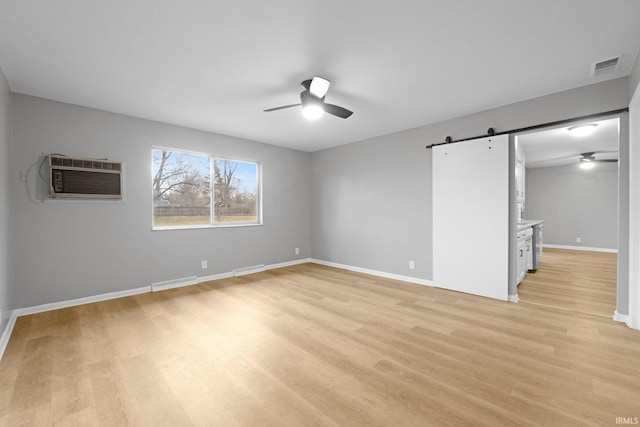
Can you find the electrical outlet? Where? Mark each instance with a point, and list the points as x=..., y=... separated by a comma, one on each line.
x=204, y=264
x=412, y=265
x=297, y=251
x=578, y=239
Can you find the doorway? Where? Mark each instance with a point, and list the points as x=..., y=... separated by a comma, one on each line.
x=572, y=183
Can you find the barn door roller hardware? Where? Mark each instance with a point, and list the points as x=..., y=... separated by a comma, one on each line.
x=449, y=140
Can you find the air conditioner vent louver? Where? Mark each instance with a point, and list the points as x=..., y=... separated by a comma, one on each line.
x=605, y=67
x=84, y=163
x=83, y=177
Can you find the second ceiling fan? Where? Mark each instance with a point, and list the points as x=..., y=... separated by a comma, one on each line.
x=312, y=100
x=590, y=157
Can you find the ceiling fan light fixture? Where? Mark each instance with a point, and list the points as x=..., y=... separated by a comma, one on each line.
x=319, y=87
x=312, y=101
x=312, y=112
x=587, y=164
x=583, y=130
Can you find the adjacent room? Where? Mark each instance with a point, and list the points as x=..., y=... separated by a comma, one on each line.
x=300, y=213
x=572, y=179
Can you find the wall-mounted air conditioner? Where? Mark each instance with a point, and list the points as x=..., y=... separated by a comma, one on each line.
x=88, y=178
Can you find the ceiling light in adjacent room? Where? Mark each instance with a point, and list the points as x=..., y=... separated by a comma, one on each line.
x=583, y=130
x=587, y=165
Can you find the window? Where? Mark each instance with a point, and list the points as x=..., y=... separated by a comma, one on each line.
x=197, y=190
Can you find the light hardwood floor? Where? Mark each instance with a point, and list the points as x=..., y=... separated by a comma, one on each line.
x=310, y=345
x=573, y=280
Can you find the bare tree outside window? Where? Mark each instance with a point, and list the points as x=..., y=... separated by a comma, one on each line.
x=182, y=190
x=235, y=195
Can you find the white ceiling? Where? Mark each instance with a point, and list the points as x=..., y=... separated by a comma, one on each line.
x=216, y=65
x=558, y=146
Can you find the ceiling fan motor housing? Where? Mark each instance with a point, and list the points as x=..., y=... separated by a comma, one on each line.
x=307, y=99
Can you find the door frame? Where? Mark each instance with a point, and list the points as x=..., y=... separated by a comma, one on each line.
x=633, y=278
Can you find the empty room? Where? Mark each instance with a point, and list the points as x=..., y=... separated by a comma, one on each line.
x=296, y=213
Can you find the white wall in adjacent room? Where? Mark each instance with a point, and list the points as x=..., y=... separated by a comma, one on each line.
x=575, y=202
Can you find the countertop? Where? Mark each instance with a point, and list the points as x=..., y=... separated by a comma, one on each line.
x=526, y=223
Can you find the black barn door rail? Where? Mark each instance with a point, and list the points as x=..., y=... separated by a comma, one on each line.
x=492, y=132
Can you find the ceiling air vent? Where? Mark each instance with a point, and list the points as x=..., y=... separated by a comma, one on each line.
x=605, y=67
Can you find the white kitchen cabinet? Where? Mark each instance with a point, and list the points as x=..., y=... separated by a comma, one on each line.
x=529, y=253
x=522, y=260
x=525, y=252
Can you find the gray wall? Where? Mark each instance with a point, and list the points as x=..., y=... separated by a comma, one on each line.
x=575, y=203
x=70, y=249
x=372, y=199
x=5, y=135
x=371, y=205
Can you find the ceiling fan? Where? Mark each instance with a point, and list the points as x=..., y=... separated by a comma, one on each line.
x=312, y=100
x=590, y=157
x=588, y=160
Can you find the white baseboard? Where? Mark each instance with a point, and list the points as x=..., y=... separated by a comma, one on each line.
x=374, y=272
x=80, y=301
x=213, y=277
x=248, y=270
x=620, y=317
x=287, y=264
x=172, y=284
x=6, y=334
x=580, y=248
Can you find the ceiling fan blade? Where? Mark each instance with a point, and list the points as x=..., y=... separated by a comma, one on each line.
x=337, y=111
x=283, y=107
x=319, y=86
x=606, y=160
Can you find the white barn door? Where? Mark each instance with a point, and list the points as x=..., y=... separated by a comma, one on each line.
x=471, y=216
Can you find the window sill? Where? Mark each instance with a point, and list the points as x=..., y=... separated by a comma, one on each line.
x=201, y=226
